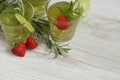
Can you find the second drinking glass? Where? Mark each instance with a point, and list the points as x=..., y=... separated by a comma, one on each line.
x=63, y=15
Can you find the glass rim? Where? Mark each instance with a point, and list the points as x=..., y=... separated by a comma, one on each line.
x=53, y=19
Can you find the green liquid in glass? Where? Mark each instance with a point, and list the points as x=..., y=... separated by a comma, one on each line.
x=15, y=34
x=53, y=13
x=39, y=7
x=13, y=30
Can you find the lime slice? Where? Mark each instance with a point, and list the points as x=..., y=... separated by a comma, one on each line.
x=76, y=5
x=25, y=23
x=84, y=7
x=76, y=10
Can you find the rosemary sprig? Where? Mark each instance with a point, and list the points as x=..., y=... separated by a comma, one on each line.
x=21, y=7
x=42, y=28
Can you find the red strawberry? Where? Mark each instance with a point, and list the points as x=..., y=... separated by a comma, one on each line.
x=19, y=49
x=62, y=22
x=31, y=43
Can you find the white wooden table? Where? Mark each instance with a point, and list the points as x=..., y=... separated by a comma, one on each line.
x=95, y=53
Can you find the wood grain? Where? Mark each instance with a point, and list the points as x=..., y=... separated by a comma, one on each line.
x=95, y=53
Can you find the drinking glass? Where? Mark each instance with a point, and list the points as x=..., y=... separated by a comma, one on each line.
x=56, y=8
x=13, y=30
x=15, y=34
x=39, y=7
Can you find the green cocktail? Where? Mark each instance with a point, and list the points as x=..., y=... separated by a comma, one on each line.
x=39, y=7
x=15, y=34
x=66, y=10
x=13, y=30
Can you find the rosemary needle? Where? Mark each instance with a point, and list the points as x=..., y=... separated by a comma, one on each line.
x=42, y=29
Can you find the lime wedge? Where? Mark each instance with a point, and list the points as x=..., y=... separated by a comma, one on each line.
x=25, y=23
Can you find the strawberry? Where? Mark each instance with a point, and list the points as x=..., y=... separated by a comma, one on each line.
x=62, y=22
x=19, y=49
x=31, y=43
